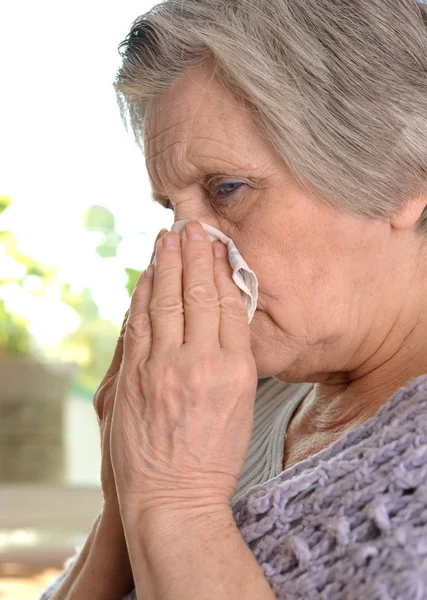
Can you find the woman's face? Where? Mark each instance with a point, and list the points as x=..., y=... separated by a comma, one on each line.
x=324, y=277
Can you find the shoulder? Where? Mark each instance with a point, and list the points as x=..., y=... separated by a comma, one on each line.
x=352, y=517
x=408, y=400
x=398, y=429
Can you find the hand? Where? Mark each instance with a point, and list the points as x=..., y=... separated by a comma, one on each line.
x=103, y=403
x=102, y=569
x=183, y=413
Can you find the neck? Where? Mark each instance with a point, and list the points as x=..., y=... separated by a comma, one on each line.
x=345, y=400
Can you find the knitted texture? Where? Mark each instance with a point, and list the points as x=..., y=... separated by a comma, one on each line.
x=349, y=523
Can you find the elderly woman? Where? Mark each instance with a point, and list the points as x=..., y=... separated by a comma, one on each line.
x=297, y=130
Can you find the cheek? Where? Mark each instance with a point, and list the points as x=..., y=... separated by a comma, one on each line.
x=300, y=295
x=301, y=270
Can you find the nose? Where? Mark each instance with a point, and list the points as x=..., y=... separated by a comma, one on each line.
x=197, y=214
x=190, y=203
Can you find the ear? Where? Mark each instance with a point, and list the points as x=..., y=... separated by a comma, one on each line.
x=408, y=214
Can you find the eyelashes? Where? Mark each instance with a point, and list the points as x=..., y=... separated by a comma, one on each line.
x=225, y=190
x=220, y=194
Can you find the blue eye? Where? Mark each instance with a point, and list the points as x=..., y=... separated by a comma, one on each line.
x=224, y=190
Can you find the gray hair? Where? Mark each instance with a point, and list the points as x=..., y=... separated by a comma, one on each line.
x=341, y=93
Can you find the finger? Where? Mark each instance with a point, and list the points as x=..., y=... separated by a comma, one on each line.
x=166, y=308
x=98, y=399
x=201, y=301
x=234, y=332
x=138, y=337
x=118, y=351
x=161, y=233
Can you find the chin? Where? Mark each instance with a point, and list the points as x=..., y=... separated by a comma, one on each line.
x=269, y=355
x=259, y=345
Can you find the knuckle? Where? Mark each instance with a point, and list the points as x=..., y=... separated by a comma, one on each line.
x=100, y=391
x=170, y=376
x=166, y=303
x=233, y=305
x=138, y=296
x=162, y=377
x=245, y=375
x=95, y=401
x=201, y=293
x=139, y=326
x=98, y=405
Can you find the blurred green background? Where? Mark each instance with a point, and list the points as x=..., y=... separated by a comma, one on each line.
x=91, y=344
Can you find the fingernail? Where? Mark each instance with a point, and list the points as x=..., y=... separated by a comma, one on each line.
x=159, y=244
x=195, y=231
x=159, y=236
x=171, y=241
x=149, y=273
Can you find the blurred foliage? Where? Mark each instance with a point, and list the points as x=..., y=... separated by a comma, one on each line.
x=15, y=339
x=133, y=276
x=91, y=345
x=100, y=220
x=5, y=202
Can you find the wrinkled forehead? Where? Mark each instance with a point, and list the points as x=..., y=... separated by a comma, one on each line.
x=195, y=105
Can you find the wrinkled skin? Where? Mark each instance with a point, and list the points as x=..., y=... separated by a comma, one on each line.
x=103, y=403
x=341, y=299
x=341, y=302
x=183, y=414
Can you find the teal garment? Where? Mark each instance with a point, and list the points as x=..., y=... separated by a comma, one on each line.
x=275, y=404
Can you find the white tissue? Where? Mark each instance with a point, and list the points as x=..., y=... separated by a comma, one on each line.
x=243, y=276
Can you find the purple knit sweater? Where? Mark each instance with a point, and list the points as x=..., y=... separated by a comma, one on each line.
x=350, y=522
